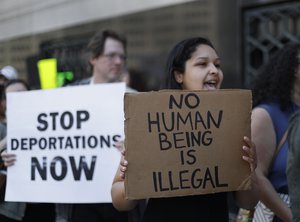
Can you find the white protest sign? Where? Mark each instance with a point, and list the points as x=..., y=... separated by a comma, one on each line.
x=64, y=142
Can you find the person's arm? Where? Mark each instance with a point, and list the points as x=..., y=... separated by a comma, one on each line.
x=246, y=198
x=263, y=135
x=8, y=158
x=3, y=144
x=118, y=188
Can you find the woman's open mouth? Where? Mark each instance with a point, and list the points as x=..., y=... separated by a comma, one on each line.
x=210, y=85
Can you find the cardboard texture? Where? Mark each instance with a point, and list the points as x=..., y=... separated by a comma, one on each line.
x=182, y=143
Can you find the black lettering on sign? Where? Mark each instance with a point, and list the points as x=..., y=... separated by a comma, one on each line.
x=59, y=168
x=177, y=121
x=154, y=121
x=66, y=120
x=188, y=157
x=187, y=179
x=191, y=100
x=43, y=123
x=14, y=143
x=41, y=168
x=82, y=166
x=63, y=166
x=82, y=116
x=180, y=140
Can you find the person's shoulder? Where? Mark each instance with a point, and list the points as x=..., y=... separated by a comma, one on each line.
x=261, y=115
x=269, y=105
x=80, y=82
x=293, y=133
x=130, y=90
x=272, y=108
x=294, y=121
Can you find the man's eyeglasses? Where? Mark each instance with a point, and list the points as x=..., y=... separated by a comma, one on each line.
x=112, y=56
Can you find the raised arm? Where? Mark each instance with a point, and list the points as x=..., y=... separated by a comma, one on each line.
x=247, y=199
x=118, y=187
x=263, y=135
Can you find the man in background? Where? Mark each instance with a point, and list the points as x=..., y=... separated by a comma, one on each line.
x=106, y=56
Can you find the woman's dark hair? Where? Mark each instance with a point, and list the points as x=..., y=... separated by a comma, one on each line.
x=178, y=57
x=2, y=91
x=276, y=80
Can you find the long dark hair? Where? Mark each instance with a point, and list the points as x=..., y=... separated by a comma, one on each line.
x=276, y=81
x=177, y=58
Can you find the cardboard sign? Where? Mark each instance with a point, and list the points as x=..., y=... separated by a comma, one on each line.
x=186, y=142
x=64, y=143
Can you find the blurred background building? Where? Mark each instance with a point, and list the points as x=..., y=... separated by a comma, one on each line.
x=245, y=32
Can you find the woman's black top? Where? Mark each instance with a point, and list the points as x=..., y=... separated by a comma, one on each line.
x=206, y=208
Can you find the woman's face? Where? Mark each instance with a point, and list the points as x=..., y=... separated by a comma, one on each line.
x=202, y=70
x=16, y=87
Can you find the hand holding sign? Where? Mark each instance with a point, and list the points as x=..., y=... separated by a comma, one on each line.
x=118, y=189
x=250, y=150
x=8, y=158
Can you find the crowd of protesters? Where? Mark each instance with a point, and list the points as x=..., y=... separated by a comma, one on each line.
x=272, y=152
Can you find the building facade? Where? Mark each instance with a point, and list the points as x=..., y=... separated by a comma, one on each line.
x=245, y=33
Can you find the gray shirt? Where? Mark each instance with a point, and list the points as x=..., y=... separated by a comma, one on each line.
x=293, y=165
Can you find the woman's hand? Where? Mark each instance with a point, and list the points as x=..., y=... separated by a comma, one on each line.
x=123, y=165
x=118, y=186
x=119, y=145
x=8, y=158
x=248, y=198
x=250, y=151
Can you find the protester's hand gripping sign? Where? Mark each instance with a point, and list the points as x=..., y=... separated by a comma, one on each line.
x=186, y=142
x=64, y=142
